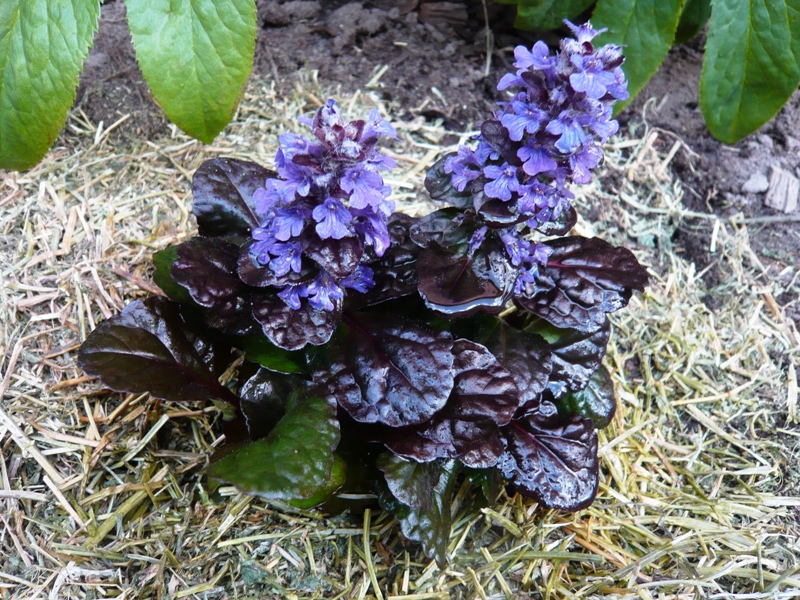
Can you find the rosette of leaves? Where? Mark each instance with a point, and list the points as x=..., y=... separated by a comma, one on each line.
x=352, y=374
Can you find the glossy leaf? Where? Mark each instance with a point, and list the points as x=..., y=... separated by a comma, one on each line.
x=644, y=28
x=390, y=371
x=576, y=356
x=149, y=348
x=484, y=397
x=42, y=48
x=293, y=462
x=196, y=56
x=497, y=214
x=260, y=350
x=207, y=269
x=395, y=273
x=552, y=460
x=431, y=489
x=448, y=228
x=460, y=285
x=328, y=489
x=339, y=257
x=751, y=65
x=596, y=402
x=526, y=355
x=543, y=15
x=590, y=278
x=693, y=18
x=264, y=398
x=440, y=187
x=223, y=196
x=293, y=329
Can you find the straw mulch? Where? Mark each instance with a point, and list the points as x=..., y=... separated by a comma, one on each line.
x=104, y=495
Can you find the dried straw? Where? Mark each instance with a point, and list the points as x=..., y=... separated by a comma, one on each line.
x=104, y=494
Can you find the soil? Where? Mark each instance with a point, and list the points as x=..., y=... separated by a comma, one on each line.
x=438, y=70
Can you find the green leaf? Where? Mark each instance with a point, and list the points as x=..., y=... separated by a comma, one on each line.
x=162, y=261
x=293, y=462
x=260, y=350
x=420, y=495
x=42, y=47
x=338, y=477
x=646, y=29
x=693, y=18
x=597, y=401
x=196, y=56
x=547, y=14
x=751, y=65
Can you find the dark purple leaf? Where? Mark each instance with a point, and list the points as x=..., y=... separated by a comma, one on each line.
x=439, y=185
x=497, y=137
x=223, y=196
x=390, y=371
x=561, y=225
x=263, y=400
x=410, y=482
x=484, y=397
x=292, y=329
x=430, y=487
x=551, y=459
x=526, y=355
x=496, y=213
x=339, y=257
x=449, y=228
x=590, y=278
x=460, y=285
x=596, y=402
x=576, y=356
x=149, y=348
x=294, y=461
x=207, y=269
x=395, y=273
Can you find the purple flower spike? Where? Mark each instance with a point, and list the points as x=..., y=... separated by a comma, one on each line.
x=331, y=180
x=543, y=138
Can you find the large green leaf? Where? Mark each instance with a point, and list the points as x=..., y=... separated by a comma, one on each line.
x=294, y=461
x=751, y=65
x=196, y=56
x=646, y=29
x=42, y=47
x=548, y=14
x=693, y=18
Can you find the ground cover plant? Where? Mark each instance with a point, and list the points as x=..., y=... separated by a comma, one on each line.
x=196, y=56
x=752, y=51
x=358, y=349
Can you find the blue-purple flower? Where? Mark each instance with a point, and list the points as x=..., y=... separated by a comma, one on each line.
x=555, y=122
x=328, y=187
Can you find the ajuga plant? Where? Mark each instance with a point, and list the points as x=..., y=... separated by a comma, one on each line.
x=383, y=354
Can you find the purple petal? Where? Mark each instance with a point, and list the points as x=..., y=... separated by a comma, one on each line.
x=332, y=219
